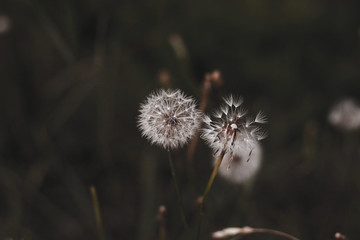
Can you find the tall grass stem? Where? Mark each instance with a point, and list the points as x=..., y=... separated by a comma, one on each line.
x=97, y=213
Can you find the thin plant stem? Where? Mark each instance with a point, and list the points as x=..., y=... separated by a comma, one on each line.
x=207, y=190
x=206, y=87
x=97, y=213
x=268, y=231
x=212, y=178
x=199, y=225
x=210, y=80
x=181, y=205
x=275, y=232
x=161, y=219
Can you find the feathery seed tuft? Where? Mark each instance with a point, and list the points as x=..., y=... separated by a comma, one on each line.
x=168, y=118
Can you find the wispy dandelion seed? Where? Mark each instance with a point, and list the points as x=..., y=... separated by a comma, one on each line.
x=169, y=118
x=231, y=133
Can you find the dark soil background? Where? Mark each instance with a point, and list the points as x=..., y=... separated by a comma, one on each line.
x=72, y=76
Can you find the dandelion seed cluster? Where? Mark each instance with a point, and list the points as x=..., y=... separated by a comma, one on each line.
x=231, y=132
x=169, y=118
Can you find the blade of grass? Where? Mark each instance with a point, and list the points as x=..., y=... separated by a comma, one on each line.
x=97, y=213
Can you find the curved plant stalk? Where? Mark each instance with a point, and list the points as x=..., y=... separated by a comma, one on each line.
x=211, y=180
x=207, y=190
x=237, y=233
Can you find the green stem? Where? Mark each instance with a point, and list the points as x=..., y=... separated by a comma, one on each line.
x=181, y=205
x=212, y=177
x=207, y=190
x=97, y=213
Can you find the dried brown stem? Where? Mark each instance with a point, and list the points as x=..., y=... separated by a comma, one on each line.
x=210, y=79
x=161, y=218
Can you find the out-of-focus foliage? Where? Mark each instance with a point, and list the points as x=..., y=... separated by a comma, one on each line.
x=72, y=75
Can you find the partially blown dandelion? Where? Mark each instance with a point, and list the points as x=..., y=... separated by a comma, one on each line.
x=231, y=133
x=231, y=136
x=169, y=118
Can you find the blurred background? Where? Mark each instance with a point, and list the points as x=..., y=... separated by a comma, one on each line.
x=72, y=76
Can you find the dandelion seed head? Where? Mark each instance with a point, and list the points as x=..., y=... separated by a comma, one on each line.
x=231, y=130
x=168, y=118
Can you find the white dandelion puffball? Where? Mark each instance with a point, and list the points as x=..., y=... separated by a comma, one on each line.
x=169, y=118
x=345, y=115
x=242, y=168
x=230, y=132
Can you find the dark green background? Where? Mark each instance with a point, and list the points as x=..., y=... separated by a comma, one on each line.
x=72, y=76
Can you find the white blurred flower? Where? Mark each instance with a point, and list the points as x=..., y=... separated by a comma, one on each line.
x=232, y=231
x=168, y=118
x=345, y=115
x=230, y=132
x=5, y=24
x=243, y=167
